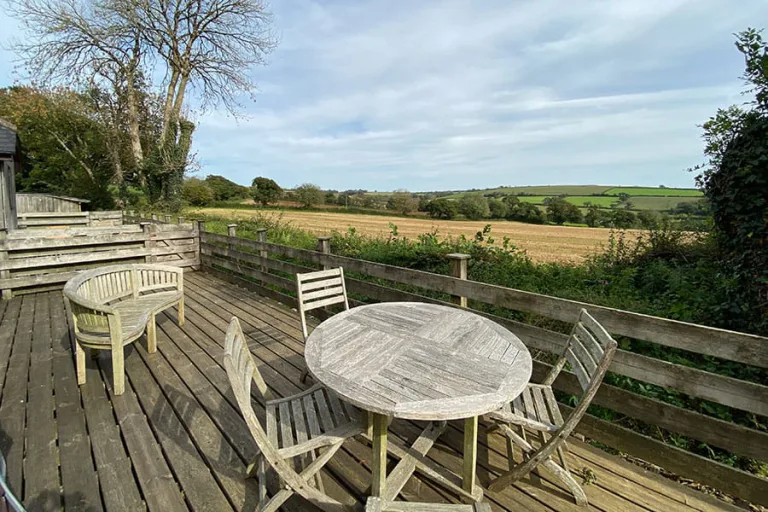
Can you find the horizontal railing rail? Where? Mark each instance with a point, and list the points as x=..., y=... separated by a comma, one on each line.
x=255, y=264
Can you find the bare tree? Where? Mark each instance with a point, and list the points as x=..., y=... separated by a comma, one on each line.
x=71, y=41
x=210, y=45
x=206, y=45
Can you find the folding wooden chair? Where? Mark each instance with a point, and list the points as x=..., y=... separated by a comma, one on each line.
x=317, y=290
x=296, y=428
x=589, y=352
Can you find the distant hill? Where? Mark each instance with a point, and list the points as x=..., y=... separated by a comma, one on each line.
x=603, y=196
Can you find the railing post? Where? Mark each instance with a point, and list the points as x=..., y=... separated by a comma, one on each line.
x=181, y=219
x=149, y=243
x=459, y=270
x=167, y=219
x=324, y=246
x=6, y=293
x=154, y=217
x=232, y=233
x=199, y=228
x=261, y=236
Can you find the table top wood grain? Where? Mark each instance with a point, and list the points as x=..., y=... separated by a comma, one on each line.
x=418, y=361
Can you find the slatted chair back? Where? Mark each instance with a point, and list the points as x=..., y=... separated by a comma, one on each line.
x=318, y=290
x=589, y=351
x=585, y=352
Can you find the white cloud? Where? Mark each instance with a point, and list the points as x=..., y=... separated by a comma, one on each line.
x=443, y=94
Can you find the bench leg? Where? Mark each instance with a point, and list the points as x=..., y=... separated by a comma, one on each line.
x=181, y=312
x=152, y=335
x=118, y=371
x=80, y=363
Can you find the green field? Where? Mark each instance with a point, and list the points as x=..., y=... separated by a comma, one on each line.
x=602, y=201
x=544, y=190
x=638, y=202
x=641, y=198
x=649, y=191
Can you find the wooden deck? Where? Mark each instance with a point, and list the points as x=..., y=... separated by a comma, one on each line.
x=176, y=441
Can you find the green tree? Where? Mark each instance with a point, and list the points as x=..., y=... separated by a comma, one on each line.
x=623, y=219
x=224, y=189
x=65, y=146
x=498, y=208
x=442, y=209
x=330, y=198
x=402, y=201
x=197, y=192
x=474, y=206
x=592, y=217
x=528, y=212
x=309, y=195
x=265, y=190
x=561, y=211
x=648, y=219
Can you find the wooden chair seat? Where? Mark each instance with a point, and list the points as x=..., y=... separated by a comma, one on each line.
x=302, y=432
x=309, y=420
x=536, y=409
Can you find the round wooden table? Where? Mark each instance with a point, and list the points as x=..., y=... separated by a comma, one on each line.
x=419, y=361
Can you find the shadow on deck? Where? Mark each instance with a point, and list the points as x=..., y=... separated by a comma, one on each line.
x=176, y=441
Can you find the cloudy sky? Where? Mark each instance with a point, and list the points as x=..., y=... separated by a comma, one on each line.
x=441, y=94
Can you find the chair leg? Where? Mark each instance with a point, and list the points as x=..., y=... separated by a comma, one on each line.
x=80, y=363
x=180, y=315
x=304, y=376
x=567, y=479
x=152, y=335
x=118, y=371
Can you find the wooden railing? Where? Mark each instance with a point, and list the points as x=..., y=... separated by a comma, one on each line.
x=255, y=264
x=33, y=260
x=69, y=219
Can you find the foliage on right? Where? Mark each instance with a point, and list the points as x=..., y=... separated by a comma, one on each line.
x=735, y=182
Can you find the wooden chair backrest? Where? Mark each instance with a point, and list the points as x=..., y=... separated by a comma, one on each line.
x=320, y=289
x=589, y=351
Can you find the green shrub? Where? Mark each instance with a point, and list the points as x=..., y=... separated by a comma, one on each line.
x=197, y=192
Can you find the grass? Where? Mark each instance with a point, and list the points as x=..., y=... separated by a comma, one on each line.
x=650, y=191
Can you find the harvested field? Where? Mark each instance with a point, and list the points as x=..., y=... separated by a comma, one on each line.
x=542, y=243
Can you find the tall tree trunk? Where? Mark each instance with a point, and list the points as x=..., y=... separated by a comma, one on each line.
x=133, y=123
x=170, y=95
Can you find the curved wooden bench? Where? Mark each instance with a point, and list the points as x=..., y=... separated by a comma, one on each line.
x=113, y=306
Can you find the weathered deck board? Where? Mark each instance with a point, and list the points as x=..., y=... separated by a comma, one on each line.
x=176, y=441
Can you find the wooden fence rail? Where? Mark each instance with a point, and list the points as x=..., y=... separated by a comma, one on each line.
x=252, y=264
x=37, y=260
x=66, y=219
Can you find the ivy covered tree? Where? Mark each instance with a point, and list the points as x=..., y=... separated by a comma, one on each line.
x=735, y=182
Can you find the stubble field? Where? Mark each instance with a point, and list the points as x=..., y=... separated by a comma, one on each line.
x=560, y=244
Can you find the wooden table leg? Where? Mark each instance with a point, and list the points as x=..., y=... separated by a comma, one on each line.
x=470, y=454
x=378, y=484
